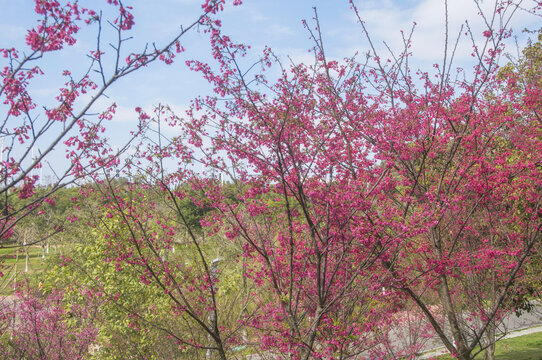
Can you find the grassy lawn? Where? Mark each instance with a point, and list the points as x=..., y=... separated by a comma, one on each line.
x=13, y=264
x=526, y=347
x=9, y=257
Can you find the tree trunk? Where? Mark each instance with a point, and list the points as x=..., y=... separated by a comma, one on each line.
x=463, y=353
x=221, y=353
x=489, y=353
x=306, y=352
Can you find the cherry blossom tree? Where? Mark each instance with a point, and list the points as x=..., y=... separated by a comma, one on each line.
x=306, y=187
x=348, y=197
x=34, y=134
x=355, y=176
x=40, y=326
x=468, y=206
x=75, y=123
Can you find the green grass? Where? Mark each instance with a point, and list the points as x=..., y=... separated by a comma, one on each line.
x=526, y=347
x=8, y=257
x=12, y=264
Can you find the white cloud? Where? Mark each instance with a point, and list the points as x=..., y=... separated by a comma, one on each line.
x=124, y=114
x=279, y=30
x=384, y=20
x=257, y=17
x=294, y=56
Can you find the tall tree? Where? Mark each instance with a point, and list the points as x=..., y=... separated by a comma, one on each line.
x=357, y=176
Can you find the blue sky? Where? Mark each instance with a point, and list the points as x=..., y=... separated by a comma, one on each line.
x=275, y=23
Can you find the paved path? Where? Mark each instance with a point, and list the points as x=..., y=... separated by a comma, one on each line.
x=513, y=326
x=513, y=334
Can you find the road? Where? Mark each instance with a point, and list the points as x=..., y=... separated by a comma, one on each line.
x=511, y=327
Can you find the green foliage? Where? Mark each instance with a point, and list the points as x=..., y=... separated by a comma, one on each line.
x=135, y=313
x=117, y=293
